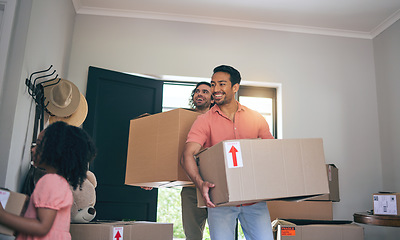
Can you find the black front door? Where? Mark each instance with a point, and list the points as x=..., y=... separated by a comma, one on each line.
x=114, y=99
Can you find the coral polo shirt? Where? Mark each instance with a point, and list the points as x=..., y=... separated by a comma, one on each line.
x=214, y=126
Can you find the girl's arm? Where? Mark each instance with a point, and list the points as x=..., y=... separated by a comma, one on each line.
x=30, y=226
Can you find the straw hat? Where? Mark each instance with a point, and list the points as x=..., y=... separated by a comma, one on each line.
x=62, y=99
x=76, y=118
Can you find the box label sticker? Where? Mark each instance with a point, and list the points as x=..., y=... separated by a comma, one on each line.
x=288, y=231
x=118, y=233
x=385, y=204
x=233, y=154
x=4, y=196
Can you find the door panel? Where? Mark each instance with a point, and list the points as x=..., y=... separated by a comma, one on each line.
x=114, y=99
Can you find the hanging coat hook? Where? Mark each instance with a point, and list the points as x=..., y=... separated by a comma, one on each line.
x=35, y=88
x=28, y=81
x=44, y=76
x=48, y=85
x=30, y=78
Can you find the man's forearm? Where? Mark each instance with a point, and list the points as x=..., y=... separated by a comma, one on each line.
x=189, y=165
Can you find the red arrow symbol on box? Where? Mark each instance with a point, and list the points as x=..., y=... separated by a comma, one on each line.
x=234, y=151
x=117, y=236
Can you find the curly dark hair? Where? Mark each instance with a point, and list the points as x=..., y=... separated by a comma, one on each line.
x=191, y=104
x=234, y=74
x=68, y=149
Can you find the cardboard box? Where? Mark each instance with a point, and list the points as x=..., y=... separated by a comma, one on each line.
x=316, y=210
x=14, y=203
x=155, y=148
x=333, y=181
x=121, y=230
x=386, y=203
x=251, y=170
x=320, y=231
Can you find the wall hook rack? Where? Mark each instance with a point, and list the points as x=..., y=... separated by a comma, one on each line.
x=35, y=89
x=35, y=84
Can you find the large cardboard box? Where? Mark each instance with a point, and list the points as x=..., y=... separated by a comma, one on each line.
x=14, y=203
x=333, y=181
x=121, y=230
x=320, y=231
x=316, y=210
x=250, y=170
x=386, y=203
x=155, y=148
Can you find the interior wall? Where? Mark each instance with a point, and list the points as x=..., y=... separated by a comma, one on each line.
x=387, y=58
x=328, y=83
x=42, y=36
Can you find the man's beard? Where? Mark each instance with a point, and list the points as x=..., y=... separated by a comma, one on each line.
x=201, y=106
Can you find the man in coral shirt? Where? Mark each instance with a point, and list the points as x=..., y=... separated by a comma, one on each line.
x=227, y=120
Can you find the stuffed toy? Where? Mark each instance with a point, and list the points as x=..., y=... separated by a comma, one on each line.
x=82, y=210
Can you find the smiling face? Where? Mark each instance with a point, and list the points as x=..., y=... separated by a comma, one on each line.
x=202, y=97
x=222, y=89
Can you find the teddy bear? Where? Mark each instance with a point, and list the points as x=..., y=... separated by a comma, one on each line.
x=82, y=210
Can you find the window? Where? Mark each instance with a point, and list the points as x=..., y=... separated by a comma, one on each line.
x=176, y=95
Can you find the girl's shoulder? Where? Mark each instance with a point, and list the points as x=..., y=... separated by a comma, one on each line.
x=53, y=179
x=52, y=191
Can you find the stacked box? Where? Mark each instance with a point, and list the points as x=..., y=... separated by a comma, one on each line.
x=386, y=203
x=122, y=230
x=320, y=231
x=315, y=210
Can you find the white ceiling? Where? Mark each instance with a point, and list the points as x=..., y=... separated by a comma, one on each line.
x=349, y=18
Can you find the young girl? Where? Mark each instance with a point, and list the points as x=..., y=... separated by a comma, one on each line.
x=64, y=151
